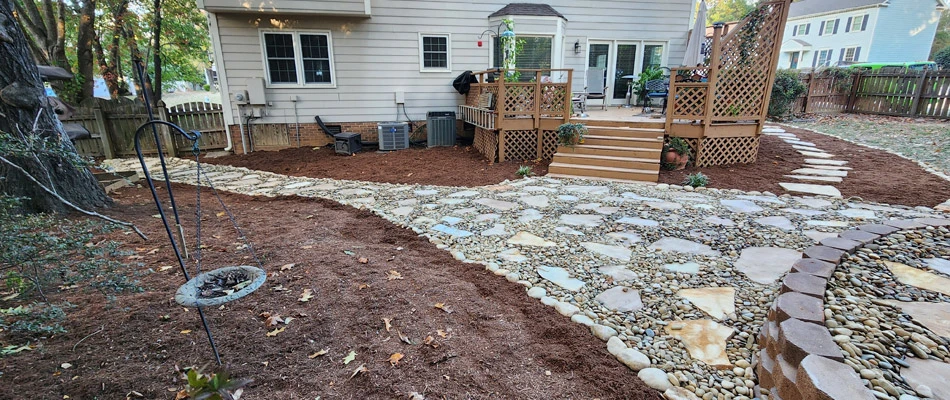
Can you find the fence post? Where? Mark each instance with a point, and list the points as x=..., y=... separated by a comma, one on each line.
x=812, y=77
x=918, y=91
x=104, y=134
x=855, y=87
x=170, y=146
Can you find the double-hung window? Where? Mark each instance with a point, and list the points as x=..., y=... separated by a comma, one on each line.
x=829, y=27
x=298, y=58
x=802, y=30
x=435, y=52
x=850, y=55
x=824, y=58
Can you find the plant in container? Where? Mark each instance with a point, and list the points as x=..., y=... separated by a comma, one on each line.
x=571, y=134
x=675, y=154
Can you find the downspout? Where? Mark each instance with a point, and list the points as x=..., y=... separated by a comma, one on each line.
x=222, y=76
x=293, y=99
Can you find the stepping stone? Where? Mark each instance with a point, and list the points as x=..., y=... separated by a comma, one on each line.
x=693, y=197
x=496, y=204
x=606, y=210
x=451, y=231
x=820, y=172
x=664, y=205
x=741, y=206
x=638, y=221
x=919, y=278
x=560, y=277
x=619, y=298
x=818, y=236
x=704, y=339
x=298, y=185
x=627, y=238
x=930, y=373
x=451, y=220
x=686, y=268
x=805, y=148
x=704, y=206
x=486, y=217
x=568, y=198
x=812, y=202
x=634, y=196
x=535, y=189
x=670, y=244
x=618, y=252
x=407, y=202
x=935, y=316
x=536, y=201
x=858, y=213
x=590, y=190
x=587, y=206
x=619, y=273
x=530, y=215
x=466, y=193
x=778, y=222
x=496, y=230
x=453, y=202
x=402, y=211
x=765, y=265
x=800, y=143
x=720, y=221
x=827, y=224
x=765, y=199
x=815, y=154
x=581, y=220
x=831, y=179
x=875, y=207
x=824, y=190
x=528, y=239
x=718, y=302
x=772, y=130
x=512, y=255
x=463, y=211
x=938, y=264
x=805, y=212
x=423, y=193
x=831, y=167
x=816, y=161
x=568, y=231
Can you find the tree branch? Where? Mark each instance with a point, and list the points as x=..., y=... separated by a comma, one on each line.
x=71, y=205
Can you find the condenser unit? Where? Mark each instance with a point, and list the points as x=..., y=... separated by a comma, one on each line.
x=440, y=126
x=393, y=135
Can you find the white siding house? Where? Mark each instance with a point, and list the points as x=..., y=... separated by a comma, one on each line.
x=349, y=61
x=843, y=32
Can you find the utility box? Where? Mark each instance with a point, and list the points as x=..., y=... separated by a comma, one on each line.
x=347, y=143
x=393, y=135
x=255, y=91
x=440, y=126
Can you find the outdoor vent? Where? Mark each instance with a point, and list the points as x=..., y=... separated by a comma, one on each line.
x=347, y=143
x=393, y=135
x=440, y=126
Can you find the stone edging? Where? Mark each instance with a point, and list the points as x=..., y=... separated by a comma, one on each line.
x=798, y=358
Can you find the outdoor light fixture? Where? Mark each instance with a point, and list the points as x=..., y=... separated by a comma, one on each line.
x=507, y=33
x=577, y=47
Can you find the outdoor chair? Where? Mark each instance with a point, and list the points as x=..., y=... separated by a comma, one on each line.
x=658, y=89
x=579, y=100
x=596, y=86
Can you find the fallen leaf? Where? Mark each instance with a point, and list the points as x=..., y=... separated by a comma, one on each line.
x=220, y=214
x=318, y=354
x=387, y=321
x=276, y=331
x=306, y=247
x=308, y=217
x=182, y=395
x=186, y=331
x=66, y=366
x=164, y=268
x=430, y=341
x=349, y=357
x=363, y=260
x=135, y=257
x=393, y=275
x=363, y=286
x=442, y=333
x=443, y=307
x=349, y=253
x=306, y=295
x=273, y=320
x=155, y=250
x=360, y=370
x=402, y=337
x=394, y=359
x=288, y=319
x=287, y=267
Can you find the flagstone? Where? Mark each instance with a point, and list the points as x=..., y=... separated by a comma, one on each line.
x=820, y=172
x=765, y=265
x=530, y=215
x=464, y=193
x=529, y=239
x=704, y=339
x=486, y=217
x=606, y=210
x=540, y=201
x=463, y=211
x=685, y=268
x=938, y=264
x=634, y=196
x=453, y=201
x=812, y=202
x=568, y=231
x=590, y=190
x=496, y=204
x=567, y=197
x=588, y=220
x=930, y=373
x=451, y=231
x=718, y=302
x=818, y=161
x=741, y=206
x=806, y=148
x=778, y=222
x=858, y=213
x=811, y=189
x=804, y=211
x=831, y=167
x=814, y=154
x=560, y=277
x=638, y=221
x=830, y=179
x=935, y=316
x=627, y=238
x=671, y=244
x=620, y=273
x=618, y=252
x=512, y=255
x=828, y=224
x=765, y=199
x=427, y=192
x=402, y=211
x=619, y=298
x=496, y=230
x=818, y=236
x=534, y=189
x=298, y=185
x=919, y=278
x=800, y=143
x=720, y=221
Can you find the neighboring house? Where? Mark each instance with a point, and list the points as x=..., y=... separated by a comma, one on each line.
x=358, y=62
x=822, y=33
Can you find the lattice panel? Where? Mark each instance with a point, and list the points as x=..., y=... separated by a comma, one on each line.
x=728, y=150
x=746, y=62
x=689, y=102
x=692, y=143
x=520, y=145
x=548, y=144
x=553, y=99
x=486, y=142
x=519, y=99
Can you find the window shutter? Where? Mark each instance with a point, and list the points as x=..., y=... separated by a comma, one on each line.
x=857, y=54
x=841, y=56
x=864, y=25
x=795, y=30
x=836, y=26
x=847, y=28
x=807, y=29
x=814, y=61
x=821, y=31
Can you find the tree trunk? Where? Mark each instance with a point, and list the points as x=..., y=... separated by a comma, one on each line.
x=157, y=53
x=27, y=114
x=84, y=44
x=135, y=54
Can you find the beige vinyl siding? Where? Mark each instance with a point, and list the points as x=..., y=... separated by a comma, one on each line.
x=337, y=7
x=375, y=57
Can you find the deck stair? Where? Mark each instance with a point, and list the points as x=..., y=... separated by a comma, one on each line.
x=612, y=152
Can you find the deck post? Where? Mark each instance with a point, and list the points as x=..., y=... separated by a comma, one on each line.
x=104, y=134
x=568, y=97
x=538, y=99
x=715, y=62
x=500, y=102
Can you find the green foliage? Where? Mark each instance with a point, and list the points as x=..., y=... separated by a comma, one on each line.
x=640, y=87
x=524, y=171
x=788, y=86
x=217, y=386
x=727, y=10
x=943, y=58
x=696, y=180
x=844, y=77
x=37, y=320
x=570, y=134
x=206, y=87
x=942, y=38
x=679, y=145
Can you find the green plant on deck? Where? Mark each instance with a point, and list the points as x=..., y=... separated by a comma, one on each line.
x=679, y=145
x=786, y=90
x=524, y=171
x=640, y=87
x=570, y=134
x=217, y=386
x=696, y=180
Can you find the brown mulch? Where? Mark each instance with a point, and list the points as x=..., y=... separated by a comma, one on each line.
x=446, y=166
x=498, y=342
x=876, y=176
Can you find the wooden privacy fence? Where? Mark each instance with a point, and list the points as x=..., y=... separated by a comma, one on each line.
x=112, y=125
x=907, y=94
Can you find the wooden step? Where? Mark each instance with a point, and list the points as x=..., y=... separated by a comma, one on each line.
x=650, y=164
x=625, y=132
x=611, y=151
x=623, y=142
x=563, y=176
x=627, y=174
x=620, y=124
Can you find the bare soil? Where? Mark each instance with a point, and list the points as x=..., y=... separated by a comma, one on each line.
x=445, y=166
x=495, y=343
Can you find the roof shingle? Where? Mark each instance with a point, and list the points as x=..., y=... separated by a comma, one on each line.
x=533, y=9
x=809, y=7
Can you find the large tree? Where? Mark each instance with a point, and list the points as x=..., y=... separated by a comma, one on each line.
x=728, y=10
x=34, y=151
x=942, y=38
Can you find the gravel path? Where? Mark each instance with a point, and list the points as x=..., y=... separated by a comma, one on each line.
x=676, y=281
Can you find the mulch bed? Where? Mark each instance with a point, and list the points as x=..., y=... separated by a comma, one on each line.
x=877, y=176
x=446, y=166
x=498, y=342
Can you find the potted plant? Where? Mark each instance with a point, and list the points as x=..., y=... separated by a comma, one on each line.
x=571, y=134
x=676, y=154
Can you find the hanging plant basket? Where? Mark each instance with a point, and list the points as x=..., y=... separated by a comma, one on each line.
x=220, y=286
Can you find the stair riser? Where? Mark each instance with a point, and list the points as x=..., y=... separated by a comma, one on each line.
x=629, y=152
x=631, y=176
x=625, y=133
x=623, y=143
x=567, y=159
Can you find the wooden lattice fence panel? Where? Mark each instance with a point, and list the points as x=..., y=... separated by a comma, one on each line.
x=553, y=99
x=520, y=145
x=486, y=142
x=691, y=142
x=548, y=144
x=689, y=102
x=519, y=99
x=727, y=150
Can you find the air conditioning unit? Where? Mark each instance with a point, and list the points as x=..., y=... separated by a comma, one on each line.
x=393, y=135
x=440, y=126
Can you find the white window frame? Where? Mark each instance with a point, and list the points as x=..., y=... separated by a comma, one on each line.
x=854, y=53
x=827, y=63
x=554, y=57
x=855, y=20
x=448, y=52
x=298, y=59
x=802, y=30
x=829, y=25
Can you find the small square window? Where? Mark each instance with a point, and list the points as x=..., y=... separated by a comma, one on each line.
x=824, y=58
x=434, y=52
x=802, y=30
x=857, y=23
x=829, y=27
x=850, y=54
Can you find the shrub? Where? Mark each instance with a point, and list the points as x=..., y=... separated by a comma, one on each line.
x=696, y=180
x=943, y=58
x=524, y=171
x=217, y=386
x=788, y=86
x=206, y=87
x=570, y=134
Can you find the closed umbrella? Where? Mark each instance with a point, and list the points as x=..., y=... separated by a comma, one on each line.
x=694, y=48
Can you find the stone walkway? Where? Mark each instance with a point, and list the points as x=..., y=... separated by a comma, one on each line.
x=820, y=172
x=676, y=280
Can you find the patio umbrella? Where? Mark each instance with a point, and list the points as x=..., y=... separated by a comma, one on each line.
x=695, y=47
